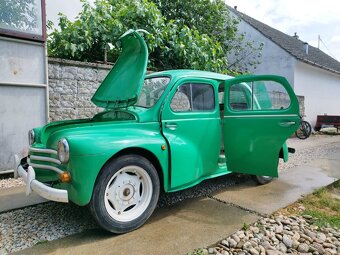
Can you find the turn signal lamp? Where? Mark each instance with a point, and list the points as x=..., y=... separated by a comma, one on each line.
x=65, y=177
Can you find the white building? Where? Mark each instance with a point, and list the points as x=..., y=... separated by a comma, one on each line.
x=312, y=73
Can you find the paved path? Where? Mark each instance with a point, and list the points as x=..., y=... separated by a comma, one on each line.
x=200, y=222
x=14, y=198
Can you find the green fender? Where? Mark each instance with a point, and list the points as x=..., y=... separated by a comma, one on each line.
x=285, y=152
x=85, y=164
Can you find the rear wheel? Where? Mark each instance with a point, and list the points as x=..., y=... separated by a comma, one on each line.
x=125, y=194
x=304, y=130
x=262, y=179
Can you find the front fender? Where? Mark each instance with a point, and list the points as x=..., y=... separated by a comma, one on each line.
x=89, y=154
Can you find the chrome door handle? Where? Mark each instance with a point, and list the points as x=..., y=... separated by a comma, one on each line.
x=171, y=126
x=287, y=123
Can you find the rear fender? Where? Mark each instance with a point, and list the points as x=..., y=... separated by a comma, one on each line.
x=284, y=152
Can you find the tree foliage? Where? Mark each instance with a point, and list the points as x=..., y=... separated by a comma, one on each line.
x=213, y=18
x=208, y=17
x=195, y=34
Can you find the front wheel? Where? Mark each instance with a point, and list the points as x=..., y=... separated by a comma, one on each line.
x=125, y=194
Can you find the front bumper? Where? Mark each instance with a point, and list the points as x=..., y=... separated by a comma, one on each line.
x=40, y=188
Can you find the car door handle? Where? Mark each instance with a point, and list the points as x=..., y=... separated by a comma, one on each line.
x=287, y=123
x=171, y=126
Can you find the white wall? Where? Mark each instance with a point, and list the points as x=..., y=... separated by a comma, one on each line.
x=22, y=61
x=21, y=109
x=274, y=59
x=23, y=95
x=320, y=88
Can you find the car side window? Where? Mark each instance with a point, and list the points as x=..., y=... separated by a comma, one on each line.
x=240, y=97
x=270, y=95
x=258, y=95
x=193, y=97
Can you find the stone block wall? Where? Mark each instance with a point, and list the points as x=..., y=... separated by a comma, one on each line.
x=71, y=86
x=301, y=104
x=278, y=98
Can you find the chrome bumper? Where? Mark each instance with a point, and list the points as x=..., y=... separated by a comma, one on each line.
x=40, y=188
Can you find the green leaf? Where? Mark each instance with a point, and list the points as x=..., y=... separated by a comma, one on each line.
x=73, y=48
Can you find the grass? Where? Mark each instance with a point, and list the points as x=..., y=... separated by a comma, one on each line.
x=245, y=226
x=323, y=205
x=196, y=252
x=41, y=242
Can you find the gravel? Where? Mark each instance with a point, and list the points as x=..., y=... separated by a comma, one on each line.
x=26, y=227
x=278, y=235
x=6, y=182
x=308, y=150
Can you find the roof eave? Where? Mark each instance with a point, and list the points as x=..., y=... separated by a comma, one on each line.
x=316, y=64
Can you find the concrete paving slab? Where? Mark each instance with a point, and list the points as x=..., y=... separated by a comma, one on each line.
x=288, y=188
x=14, y=198
x=281, y=192
x=174, y=230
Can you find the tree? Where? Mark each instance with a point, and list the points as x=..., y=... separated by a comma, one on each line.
x=88, y=36
x=212, y=17
x=208, y=17
x=178, y=42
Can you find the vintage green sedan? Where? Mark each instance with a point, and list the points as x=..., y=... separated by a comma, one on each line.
x=162, y=131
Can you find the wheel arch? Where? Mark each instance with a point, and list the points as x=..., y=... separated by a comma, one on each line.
x=144, y=153
x=104, y=210
x=284, y=152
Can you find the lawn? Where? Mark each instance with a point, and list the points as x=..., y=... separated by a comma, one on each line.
x=322, y=205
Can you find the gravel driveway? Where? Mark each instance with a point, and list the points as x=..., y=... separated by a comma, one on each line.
x=26, y=227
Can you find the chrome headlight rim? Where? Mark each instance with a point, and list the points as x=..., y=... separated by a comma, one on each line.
x=31, y=137
x=63, y=151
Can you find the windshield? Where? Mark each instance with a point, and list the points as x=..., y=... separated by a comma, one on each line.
x=152, y=90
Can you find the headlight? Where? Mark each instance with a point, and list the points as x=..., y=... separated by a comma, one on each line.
x=31, y=137
x=63, y=151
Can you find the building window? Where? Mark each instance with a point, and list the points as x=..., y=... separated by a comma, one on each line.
x=23, y=19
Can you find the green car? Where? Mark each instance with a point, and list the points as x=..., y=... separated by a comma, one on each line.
x=164, y=131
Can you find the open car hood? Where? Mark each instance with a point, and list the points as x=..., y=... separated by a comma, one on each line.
x=122, y=85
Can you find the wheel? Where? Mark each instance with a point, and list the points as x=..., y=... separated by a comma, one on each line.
x=304, y=130
x=262, y=179
x=125, y=194
x=307, y=127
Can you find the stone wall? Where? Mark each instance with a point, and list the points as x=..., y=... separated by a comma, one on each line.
x=301, y=104
x=71, y=86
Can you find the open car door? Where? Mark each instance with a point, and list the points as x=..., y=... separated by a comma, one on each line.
x=260, y=113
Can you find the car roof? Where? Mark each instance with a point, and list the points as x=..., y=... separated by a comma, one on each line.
x=182, y=73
